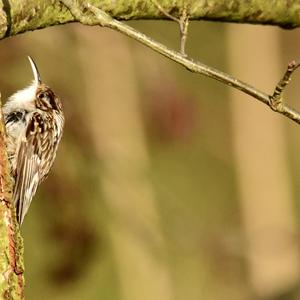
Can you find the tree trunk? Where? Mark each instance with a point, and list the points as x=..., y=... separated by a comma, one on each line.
x=262, y=174
x=134, y=225
x=11, y=244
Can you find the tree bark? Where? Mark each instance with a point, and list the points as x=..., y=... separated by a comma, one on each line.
x=11, y=244
x=21, y=16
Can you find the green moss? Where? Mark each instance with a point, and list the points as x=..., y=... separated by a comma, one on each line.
x=282, y=13
x=31, y=15
x=35, y=14
x=3, y=19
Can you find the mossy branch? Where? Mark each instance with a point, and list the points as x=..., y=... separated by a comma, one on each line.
x=20, y=16
x=11, y=243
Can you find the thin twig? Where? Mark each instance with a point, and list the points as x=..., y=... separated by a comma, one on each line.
x=276, y=100
x=103, y=19
x=183, y=23
x=161, y=9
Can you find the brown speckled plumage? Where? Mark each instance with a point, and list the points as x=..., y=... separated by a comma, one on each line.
x=34, y=123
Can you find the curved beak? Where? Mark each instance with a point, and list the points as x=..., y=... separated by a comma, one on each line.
x=36, y=74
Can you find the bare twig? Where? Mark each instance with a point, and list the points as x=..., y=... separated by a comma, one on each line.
x=161, y=9
x=276, y=99
x=183, y=23
x=101, y=18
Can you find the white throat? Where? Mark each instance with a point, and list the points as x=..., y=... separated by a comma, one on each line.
x=23, y=99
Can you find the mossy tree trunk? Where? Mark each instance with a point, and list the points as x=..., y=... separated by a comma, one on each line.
x=11, y=245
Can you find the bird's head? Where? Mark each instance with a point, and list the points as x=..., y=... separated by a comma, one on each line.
x=36, y=96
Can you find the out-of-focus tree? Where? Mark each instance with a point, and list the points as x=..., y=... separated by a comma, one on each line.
x=264, y=182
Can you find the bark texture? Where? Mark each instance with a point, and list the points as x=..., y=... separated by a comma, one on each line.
x=11, y=244
x=20, y=16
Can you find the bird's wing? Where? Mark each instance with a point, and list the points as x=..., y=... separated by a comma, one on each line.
x=28, y=162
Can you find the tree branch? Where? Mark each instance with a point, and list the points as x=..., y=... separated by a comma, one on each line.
x=20, y=16
x=11, y=243
x=99, y=17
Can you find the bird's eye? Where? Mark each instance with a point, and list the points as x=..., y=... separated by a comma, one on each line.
x=42, y=95
x=47, y=99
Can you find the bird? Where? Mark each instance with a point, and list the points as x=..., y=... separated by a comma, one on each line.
x=34, y=122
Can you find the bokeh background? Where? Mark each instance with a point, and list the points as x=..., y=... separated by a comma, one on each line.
x=167, y=185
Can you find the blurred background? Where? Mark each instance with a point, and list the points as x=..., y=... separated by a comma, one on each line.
x=167, y=185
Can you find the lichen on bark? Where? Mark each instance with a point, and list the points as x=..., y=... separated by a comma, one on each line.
x=20, y=16
x=11, y=243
